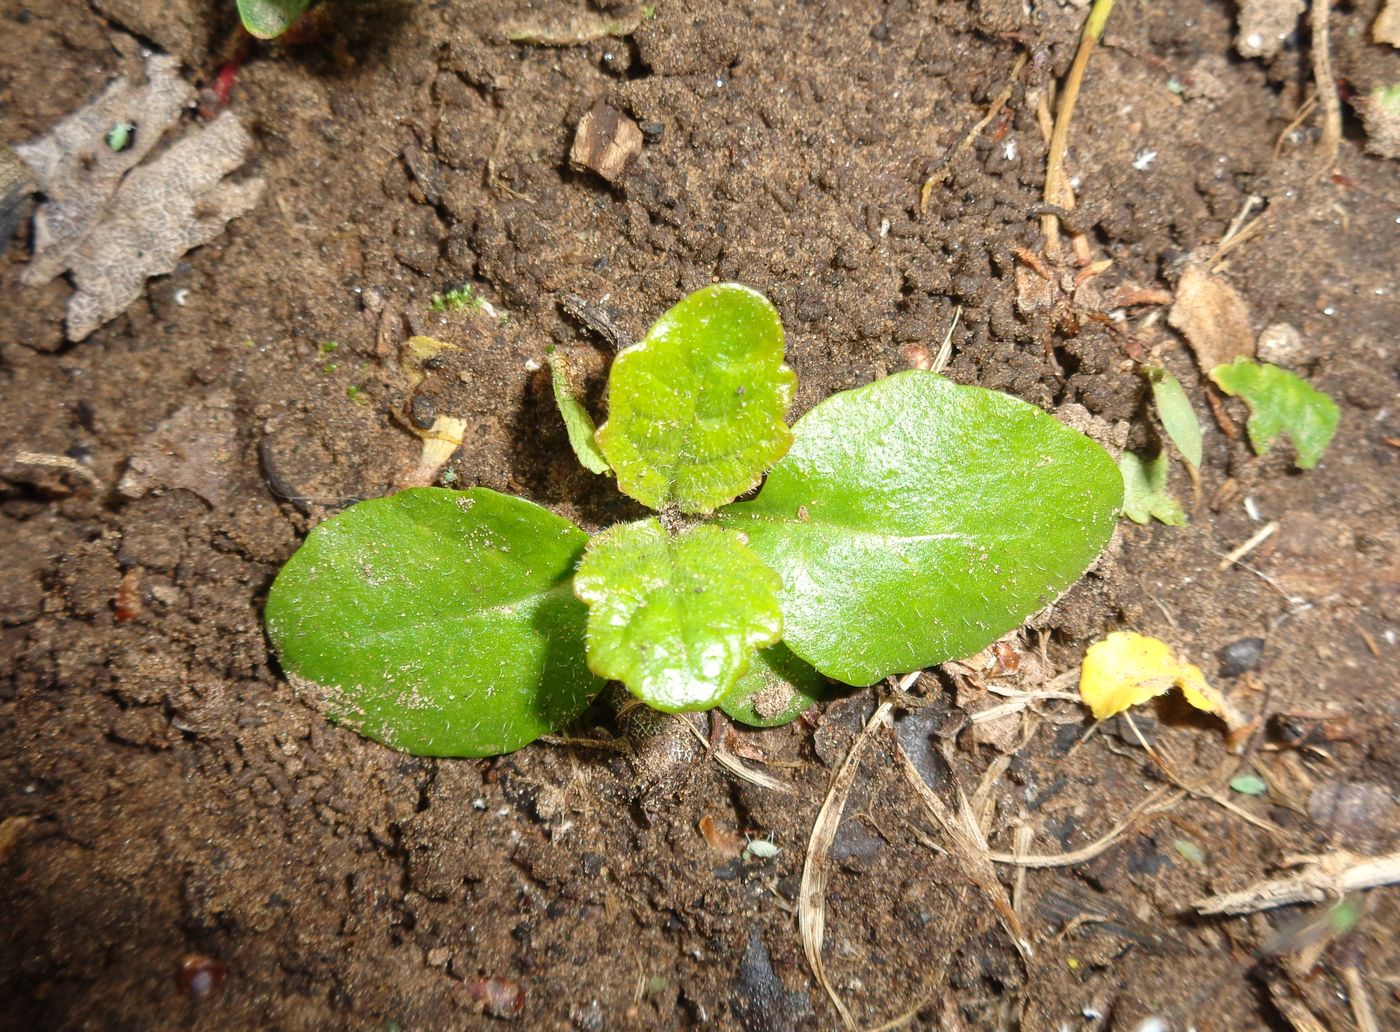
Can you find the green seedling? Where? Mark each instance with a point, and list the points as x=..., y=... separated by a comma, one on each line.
x=1145, y=494
x=1177, y=415
x=455, y=300
x=1280, y=402
x=1249, y=784
x=268, y=19
x=900, y=525
x=119, y=137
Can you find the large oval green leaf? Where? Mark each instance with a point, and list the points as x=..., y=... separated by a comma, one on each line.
x=695, y=410
x=676, y=618
x=442, y=623
x=915, y=521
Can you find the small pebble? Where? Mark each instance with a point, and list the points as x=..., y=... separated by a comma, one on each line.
x=1240, y=657
x=1281, y=344
x=200, y=976
x=423, y=412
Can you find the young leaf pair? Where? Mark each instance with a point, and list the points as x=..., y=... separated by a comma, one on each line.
x=902, y=524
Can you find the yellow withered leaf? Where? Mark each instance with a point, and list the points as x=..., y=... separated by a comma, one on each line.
x=1127, y=668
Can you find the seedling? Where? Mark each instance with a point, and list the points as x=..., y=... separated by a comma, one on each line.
x=455, y=300
x=1145, y=493
x=119, y=137
x=1281, y=403
x=902, y=524
x=268, y=19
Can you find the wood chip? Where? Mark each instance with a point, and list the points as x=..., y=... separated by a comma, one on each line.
x=1386, y=28
x=606, y=142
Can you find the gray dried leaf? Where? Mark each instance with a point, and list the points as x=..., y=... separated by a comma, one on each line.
x=78, y=171
x=113, y=221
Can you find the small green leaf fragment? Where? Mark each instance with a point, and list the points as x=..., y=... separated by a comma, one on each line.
x=695, y=410
x=1145, y=493
x=1346, y=915
x=577, y=420
x=1189, y=850
x=1249, y=784
x=1177, y=415
x=268, y=19
x=119, y=136
x=916, y=521
x=676, y=618
x=1280, y=402
x=442, y=623
x=777, y=689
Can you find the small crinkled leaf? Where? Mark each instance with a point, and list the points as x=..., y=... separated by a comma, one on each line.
x=442, y=623
x=695, y=410
x=1177, y=415
x=577, y=420
x=778, y=689
x=268, y=19
x=1280, y=402
x=676, y=618
x=915, y=521
x=1127, y=668
x=1145, y=493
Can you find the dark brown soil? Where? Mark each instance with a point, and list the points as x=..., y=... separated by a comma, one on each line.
x=163, y=793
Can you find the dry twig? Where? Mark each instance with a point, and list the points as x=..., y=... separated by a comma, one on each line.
x=731, y=763
x=1326, y=88
x=1329, y=876
x=969, y=847
x=945, y=164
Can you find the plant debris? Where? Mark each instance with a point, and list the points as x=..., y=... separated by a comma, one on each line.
x=1127, y=668
x=195, y=449
x=606, y=142
x=576, y=29
x=114, y=221
x=1212, y=317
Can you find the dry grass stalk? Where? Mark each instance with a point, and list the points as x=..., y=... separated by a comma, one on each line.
x=1326, y=88
x=969, y=847
x=811, y=899
x=731, y=763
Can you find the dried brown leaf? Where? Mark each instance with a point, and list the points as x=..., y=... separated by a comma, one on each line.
x=195, y=449
x=1213, y=318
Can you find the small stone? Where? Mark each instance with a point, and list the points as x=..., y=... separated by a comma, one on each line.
x=438, y=956
x=200, y=976
x=587, y=1017
x=1240, y=657
x=606, y=142
x=1359, y=812
x=1282, y=345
